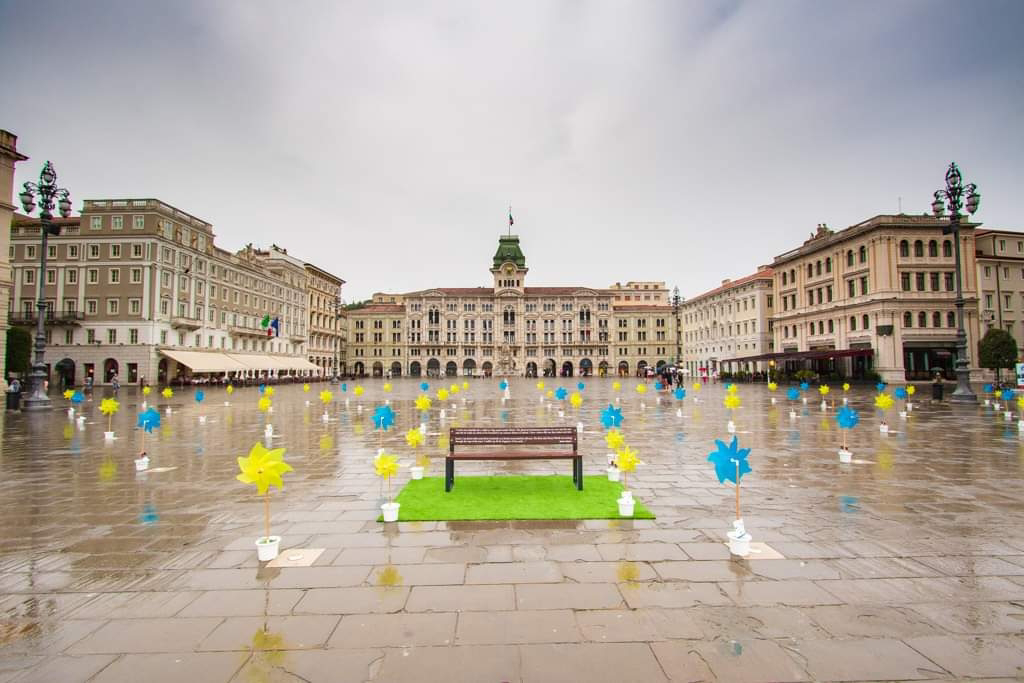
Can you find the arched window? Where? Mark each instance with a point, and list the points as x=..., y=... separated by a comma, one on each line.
x=810, y=270
x=922, y=319
x=951, y=319
x=831, y=326
x=947, y=248
x=792, y=276
x=821, y=327
x=853, y=323
x=783, y=278
x=817, y=268
x=810, y=327
x=936, y=319
x=849, y=257
x=509, y=316
x=918, y=248
x=863, y=254
x=828, y=264
x=865, y=322
x=908, y=319
x=933, y=249
x=904, y=248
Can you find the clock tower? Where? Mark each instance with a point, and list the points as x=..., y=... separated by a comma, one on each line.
x=509, y=266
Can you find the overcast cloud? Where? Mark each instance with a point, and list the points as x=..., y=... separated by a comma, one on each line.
x=383, y=141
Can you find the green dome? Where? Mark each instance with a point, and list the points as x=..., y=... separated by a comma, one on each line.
x=508, y=250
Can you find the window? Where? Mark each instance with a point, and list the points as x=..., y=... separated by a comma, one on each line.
x=51, y=252
x=135, y=306
x=922, y=319
x=988, y=301
x=135, y=275
x=133, y=335
x=94, y=251
x=905, y=282
x=117, y=222
x=72, y=251
x=863, y=254
x=831, y=326
x=30, y=277
x=51, y=276
x=918, y=248
x=113, y=306
x=853, y=323
x=951, y=319
x=30, y=252
x=783, y=278
x=810, y=271
x=91, y=306
x=136, y=250
x=90, y=336
x=112, y=335
x=919, y=277
x=163, y=337
x=864, y=284
x=904, y=249
x=96, y=223
x=865, y=322
x=934, y=278
x=115, y=276
x=851, y=288
x=1006, y=299
x=908, y=319
x=1002, y=245
x=947, y=248
x=849, y=257
x=69, y=337
x=71, y=276
x=936, y=319
x=948, y=278
x=138, y=222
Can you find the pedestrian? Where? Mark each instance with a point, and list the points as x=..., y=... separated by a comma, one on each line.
x=115, y=383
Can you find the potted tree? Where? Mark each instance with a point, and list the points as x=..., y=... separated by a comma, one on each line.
x=626, y=461
x=414, y=437
x=263, y=468
x=108, y=407
x=883, y=402
x=386, y=466
x=847, y=418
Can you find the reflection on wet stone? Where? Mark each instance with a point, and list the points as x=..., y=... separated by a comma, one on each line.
x=914, y=549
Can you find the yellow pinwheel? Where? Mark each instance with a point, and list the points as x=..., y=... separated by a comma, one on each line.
x=263, y=468
x=146, y=391
x=731, y=401
x=883, y=402
x=414, y=438
x=454, y=389
x=167, y=392
x=465, y=386
x=575, y=400
x=387, y=387
x=68, y=393
x=772, y=386
x=268, y=391
x=442, y=394
x=540, y=386
x=846, y=386
x=696, y=386
x=823, y=390
x=264, y=404
x=326, y=397
x=550, y=393
x=305, y=388
x=641, y=388
x=108, y=407
x=731, y=389
x=385, y=465
x=626, y=459
x=358, y=391
x=911, y=390
x=616, y=386
x=423, y=403
x=230, y=389
x=614, y=439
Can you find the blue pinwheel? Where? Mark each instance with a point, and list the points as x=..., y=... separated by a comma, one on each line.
x=987, y=388
x=344, y=387
x=657, y=386
x=263, y=387
x=680, y=393
x=804, y=386
x=793, y=394
x=730, y=461
x=383, y=417
x=847, y=417
x=561, y=393
x=149, y=514
x=200, y=396
x=1008, y=395
x=424, y=386
x=77, y=397
x=149, y=419
x=900, y=393
x=880, y=386
x=503, y=386
x=611, y=417
x=581, y=386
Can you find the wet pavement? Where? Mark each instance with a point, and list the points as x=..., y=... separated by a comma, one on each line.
x=906, y=564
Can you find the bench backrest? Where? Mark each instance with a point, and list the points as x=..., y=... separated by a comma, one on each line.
x=501, y=436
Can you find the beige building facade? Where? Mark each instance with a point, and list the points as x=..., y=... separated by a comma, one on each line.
x=9, y=156
x=877, y=297
x=137, y=288
x=1000, y=272
x=510, y=328
x=731, y=321
x=328, y=326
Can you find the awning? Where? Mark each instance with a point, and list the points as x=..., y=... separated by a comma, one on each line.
x=259, y=362
x=204, y=361
x=805, y=355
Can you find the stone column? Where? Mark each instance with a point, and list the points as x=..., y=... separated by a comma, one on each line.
x=9, y=156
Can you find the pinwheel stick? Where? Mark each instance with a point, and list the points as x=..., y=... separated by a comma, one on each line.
x=266, y=512
x=737, y=488
x=110, y=422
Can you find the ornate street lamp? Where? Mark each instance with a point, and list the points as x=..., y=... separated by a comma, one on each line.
x=337, y=304
x=951, y=198
x=46, y=192
x=676, y=301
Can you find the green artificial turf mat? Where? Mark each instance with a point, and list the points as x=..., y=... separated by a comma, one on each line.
x=512, y=497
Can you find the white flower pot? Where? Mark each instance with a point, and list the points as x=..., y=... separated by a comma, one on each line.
x=659, y=400
x=142, y=464
x=679, y=412
x=740, y=546
x=268, y=431
x=910, y=407
x=71, y=413
x=845, y=456
x=996, y=405
x=390, y=511
x=731, y=427
x=168, y=410
x=227, y=404
x=145, y=405
x=442, y=413
x=561, y=413
x=903, y=414
x=423, y=428
x=773, y=400
x=824, y=405
x=108, y=436
x=266, y=548
x=626, y=507
x=626, y=495
x=805, y=400
x=541, y=399
x=883, y=428
x=326, y=417
x=643, y=406
x=1007, y=416
x=792, y=415
x=202, y=419
x=307, y=404
x=845, y=400
x=613, y=473
x=387, y=401
x=416, y=471
x=987, y=401
x=579, y=427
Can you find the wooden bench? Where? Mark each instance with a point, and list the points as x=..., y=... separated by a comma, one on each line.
x=513, y=436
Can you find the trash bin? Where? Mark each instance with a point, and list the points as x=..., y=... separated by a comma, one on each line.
x=937, y=391
x=14, y=400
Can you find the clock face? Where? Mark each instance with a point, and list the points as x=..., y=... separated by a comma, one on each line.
x=509, y=269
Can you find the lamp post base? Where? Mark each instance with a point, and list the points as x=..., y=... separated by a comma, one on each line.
x=37, y=403
x=963, y=393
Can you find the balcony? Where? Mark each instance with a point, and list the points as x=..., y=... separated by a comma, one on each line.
x=246, y=331
x=184, y=323
x=27, y=318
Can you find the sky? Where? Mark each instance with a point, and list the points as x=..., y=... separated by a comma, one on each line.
x=384, y=141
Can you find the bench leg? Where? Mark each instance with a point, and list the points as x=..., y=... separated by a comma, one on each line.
x=449, y=474
x=577, y=463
